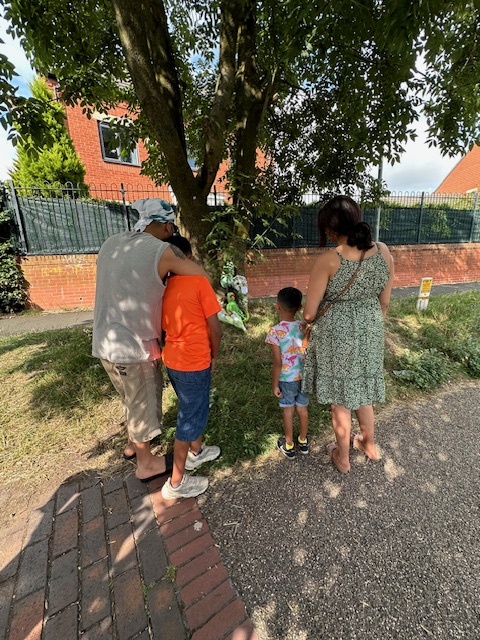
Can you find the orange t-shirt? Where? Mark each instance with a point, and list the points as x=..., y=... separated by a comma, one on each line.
x=187, y=303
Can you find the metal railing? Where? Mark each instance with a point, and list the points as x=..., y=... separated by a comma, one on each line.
x=67, y=219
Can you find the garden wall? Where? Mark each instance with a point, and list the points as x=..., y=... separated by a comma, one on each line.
x=68, y=282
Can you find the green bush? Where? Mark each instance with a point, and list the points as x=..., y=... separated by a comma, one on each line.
x=13, y=295
x=426, y=369
x=468, y=354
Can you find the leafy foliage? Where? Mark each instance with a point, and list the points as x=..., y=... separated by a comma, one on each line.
x=322, y=89
x=435, y=345
x=423, y=369
x=13, y=296
x=54, y=163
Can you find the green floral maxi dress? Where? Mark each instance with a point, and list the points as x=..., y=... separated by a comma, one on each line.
x=344, y=359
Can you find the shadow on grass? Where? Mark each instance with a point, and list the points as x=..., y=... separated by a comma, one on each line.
x=245, y=420
x=67, y=378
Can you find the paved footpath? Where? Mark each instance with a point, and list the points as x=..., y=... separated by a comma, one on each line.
x=111, y=559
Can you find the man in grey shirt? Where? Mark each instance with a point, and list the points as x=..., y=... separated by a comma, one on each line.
x=127, y=323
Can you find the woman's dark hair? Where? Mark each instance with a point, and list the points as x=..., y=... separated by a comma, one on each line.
x=342, y=216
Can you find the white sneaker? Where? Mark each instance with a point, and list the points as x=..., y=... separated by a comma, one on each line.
x=206, y=454
x=190, y=487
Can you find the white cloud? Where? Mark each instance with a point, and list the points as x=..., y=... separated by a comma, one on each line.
x=421, y=168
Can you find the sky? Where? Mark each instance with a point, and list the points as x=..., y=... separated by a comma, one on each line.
x=420, y=168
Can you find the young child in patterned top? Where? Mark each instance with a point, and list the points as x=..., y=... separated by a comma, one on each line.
x=288, y=355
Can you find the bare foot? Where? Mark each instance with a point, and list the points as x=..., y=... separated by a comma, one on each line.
x=156, y=465
x=370, y=451
x=129, y=452
x=332, y=450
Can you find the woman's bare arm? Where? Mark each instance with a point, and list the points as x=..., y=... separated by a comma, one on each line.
x=323, y=269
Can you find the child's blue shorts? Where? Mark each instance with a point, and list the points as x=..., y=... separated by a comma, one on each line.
x=292, y=395
x=193, y=393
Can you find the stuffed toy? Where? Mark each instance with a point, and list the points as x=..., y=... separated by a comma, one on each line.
x=232, y=306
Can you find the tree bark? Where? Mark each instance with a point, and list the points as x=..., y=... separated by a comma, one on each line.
x=143, y=30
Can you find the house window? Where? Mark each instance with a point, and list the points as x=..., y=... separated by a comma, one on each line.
x=112, y=148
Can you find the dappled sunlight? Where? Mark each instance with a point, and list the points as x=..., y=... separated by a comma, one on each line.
x=262, y=615
x=361, y=503
x=302, y=517
x=299, y=557
x=430, y=487
x=332, y=489
x=392, y=469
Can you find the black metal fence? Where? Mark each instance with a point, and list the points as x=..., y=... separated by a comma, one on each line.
x=66, y=220
x=398, y=219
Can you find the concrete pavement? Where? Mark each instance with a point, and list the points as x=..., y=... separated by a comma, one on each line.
x=390, y=551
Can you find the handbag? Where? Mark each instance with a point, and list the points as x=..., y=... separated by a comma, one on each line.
x=309, y=327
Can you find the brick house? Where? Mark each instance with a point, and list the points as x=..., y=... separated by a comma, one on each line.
x=465, y=176
x=98, y=148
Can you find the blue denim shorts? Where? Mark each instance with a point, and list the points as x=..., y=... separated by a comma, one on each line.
x=292, y=395
x=193, y=391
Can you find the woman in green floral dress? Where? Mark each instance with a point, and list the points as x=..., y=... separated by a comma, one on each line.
x=344, y=360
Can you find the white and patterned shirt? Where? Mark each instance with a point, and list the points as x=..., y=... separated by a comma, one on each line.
x=289, y=337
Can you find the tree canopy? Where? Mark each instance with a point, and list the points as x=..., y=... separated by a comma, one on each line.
x=323, y=89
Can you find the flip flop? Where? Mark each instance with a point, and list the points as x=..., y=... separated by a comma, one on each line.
x=167, y=472
x=134, y=455
x=330, y=448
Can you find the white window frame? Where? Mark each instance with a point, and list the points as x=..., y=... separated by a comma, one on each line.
x=133, y=160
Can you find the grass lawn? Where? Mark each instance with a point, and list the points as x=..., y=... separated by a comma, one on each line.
x=60, y=416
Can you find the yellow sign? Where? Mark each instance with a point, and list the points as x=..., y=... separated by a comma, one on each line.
x=426, y=285
x=424, y=293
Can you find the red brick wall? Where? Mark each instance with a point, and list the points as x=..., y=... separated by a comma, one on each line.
x=445, y=263
x=107, y=176
x=68, y=282
x=60, y=282
x=86, y=140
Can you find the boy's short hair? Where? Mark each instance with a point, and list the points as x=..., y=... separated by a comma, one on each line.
x=182, y=243
x=290, y=298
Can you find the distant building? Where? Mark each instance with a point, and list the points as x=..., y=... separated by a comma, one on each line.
x=465, y=176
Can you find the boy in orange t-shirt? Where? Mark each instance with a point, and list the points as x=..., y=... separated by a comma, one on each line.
x=192, y=340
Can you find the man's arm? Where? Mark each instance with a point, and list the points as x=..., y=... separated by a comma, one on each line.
x=215, y=334
x=174, y=260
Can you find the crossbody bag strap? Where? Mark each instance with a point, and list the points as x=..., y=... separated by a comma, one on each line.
x=308, y=330
x=349, y=283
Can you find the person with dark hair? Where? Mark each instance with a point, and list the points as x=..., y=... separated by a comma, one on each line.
x=192, y=342
x=181, y=243
x=347, y=300
x=286, y=339
x=127, y=324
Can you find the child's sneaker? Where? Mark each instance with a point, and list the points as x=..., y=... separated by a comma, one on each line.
x=190, y=487
x=288, y=453
x=303, y=446
x=206, y=454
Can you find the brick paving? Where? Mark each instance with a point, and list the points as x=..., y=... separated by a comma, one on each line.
x=111, y=559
